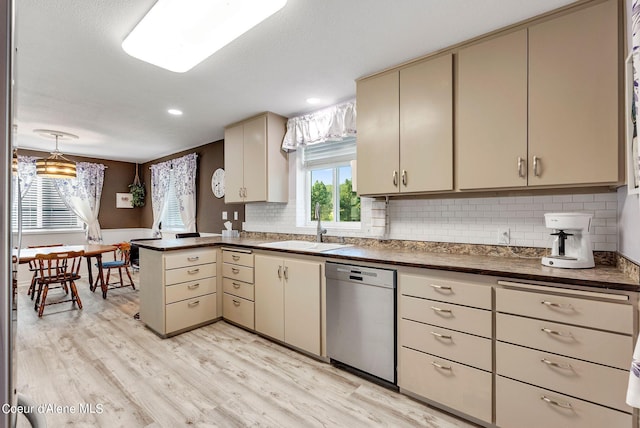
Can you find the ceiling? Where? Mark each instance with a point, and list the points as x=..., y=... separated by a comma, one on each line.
x=73, y=76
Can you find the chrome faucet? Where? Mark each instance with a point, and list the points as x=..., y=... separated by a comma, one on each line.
x=320, y=231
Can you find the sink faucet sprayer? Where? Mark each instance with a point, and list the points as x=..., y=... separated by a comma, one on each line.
x=320, y=231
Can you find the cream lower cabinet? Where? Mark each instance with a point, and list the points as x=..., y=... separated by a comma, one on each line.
x=237, y=285
x=562, y=360
x=445, y=331
x=177, y=289
x=287, y=301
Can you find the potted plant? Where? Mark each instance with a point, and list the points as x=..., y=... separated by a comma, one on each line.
x=137, y=191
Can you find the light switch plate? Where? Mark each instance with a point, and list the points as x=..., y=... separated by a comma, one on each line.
x=235, y=215
x=224, y=215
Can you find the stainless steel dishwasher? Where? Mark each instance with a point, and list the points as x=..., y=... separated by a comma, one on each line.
x=361, y=319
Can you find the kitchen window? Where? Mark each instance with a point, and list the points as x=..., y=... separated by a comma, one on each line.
x=329, y=182
x=44, y=209
x=171, y=219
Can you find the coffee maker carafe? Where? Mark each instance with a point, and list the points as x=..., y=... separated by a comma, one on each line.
x=571, y=247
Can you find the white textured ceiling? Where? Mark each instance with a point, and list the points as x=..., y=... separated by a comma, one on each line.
x=73, y=76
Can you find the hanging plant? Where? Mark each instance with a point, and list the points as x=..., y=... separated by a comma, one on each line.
x=137, y=191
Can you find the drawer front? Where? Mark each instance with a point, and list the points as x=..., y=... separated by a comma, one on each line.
x=240, y=273
x=238, y=310
x=237, y=258
x=589, y=381
x=454, y=317
x=191, y=273
x=596, y=346
x=463, y=388
x=188, y=313
x=189, y=290
x=572, y=310
x=238, y=288
x=525, y=406
x=452, y=345
x=461, y=293
x=183, y=258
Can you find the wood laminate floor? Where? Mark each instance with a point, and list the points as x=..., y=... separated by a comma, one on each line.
x=218, y=375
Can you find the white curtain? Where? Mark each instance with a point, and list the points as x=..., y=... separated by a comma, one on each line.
x=26, y=173
x=184, y=176
x=184, y=170
x=82, y=195
x=333, y=123
x=160, y=178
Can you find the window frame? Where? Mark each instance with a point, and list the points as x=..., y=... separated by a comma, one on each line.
x=336, y=196
x=41, y=198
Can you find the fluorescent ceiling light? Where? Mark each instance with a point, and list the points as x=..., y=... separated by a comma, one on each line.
x=178, y=34
x=314, y=100
x=175, y=112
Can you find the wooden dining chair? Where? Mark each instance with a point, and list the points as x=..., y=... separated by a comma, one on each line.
x=34, y=268
x=121, y=262
x=57, y=270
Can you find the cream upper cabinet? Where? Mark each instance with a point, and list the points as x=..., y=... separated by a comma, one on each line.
x=491, y=106
x=255, y=167
x=378, y=124
x=539, y=106
x=574, y=65
x=405, y=131
x=287, y=301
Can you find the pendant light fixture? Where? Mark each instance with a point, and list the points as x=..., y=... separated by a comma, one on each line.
x=56, y=165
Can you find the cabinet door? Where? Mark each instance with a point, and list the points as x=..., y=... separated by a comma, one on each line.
x=233, y=163
x=573, y=97
x=491, y=125
x=255, y=159
x=378, y=134
x=302, y=305
x=269, y=296
x=426, y=126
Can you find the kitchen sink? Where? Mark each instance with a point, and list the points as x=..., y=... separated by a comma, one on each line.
x=314, y=247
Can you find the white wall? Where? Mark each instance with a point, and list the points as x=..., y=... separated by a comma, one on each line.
x=460, y=220
x=628, y=225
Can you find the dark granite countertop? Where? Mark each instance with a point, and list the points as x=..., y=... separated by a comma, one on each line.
x=603, y=277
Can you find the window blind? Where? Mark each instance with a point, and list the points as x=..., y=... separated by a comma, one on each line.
x=43, y=208
x=172, y=219
x=324, y=153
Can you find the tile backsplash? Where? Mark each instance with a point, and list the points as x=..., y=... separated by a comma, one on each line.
x=458, y=220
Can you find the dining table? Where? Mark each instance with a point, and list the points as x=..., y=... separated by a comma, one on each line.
x=27, y=255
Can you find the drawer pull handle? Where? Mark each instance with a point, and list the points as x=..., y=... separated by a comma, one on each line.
x=442, y=336
x=440, y=366
x=564, y=405
x=441, y=287
x=234, y=270
x=437, y=309
x=556, y=332
x=194, y=304
x=193, y=259
x=235, y=258
x=193, y=271
x=235, y=285
x=558, y=365
x=557, y=305
x=193, y=286
x=236, y=302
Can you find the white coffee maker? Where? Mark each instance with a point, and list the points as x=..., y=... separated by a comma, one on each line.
x=571, y=247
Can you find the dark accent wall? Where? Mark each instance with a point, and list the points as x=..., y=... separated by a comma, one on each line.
x=117, y=178
x=209, y=208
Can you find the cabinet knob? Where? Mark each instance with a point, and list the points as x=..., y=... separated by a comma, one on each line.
x=193, y=259
x=236, y=271
x=236, y=302
x=235, y=258
x=235, y=285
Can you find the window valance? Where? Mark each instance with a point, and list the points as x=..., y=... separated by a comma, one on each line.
x=330, y=124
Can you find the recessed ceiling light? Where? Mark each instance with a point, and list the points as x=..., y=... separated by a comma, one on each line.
x=175, y=112
x=314, y=100
x=177, y=34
